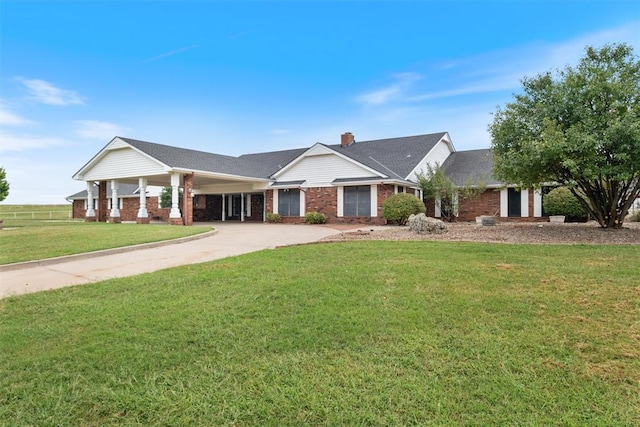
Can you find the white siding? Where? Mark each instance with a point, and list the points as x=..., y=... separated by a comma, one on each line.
x=504, y=202
x=537, y=203
x=320, y=171
x=438, y=154
x=124, y=163
x=374, y=200
x=225, y=189
x=524, y=202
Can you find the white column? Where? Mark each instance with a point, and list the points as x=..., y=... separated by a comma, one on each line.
x=275, y=200
x=537, y=203
x=224, y=207
x=303, y=203
x=91, y=213
x=374, y=200
x=142, y=211
x=115, y=212
x=436, y=207
x=504, y=202
x=175, y=198
x=524, y=202
x=248, y=204
x=264, y=206
x=340, y=207
x=241, y=207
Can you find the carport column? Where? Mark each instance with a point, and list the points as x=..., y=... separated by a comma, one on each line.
x=91, y=213
x=143, y=215
x=174, y=216
x=224, y=207
x=241, y=207
x=114, y=216
x=187, y=199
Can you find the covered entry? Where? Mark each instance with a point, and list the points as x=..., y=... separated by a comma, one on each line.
x=228, y=207
x=214, y=187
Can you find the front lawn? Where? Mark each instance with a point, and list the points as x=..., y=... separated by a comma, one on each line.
x=32, y=240
x=358, y=333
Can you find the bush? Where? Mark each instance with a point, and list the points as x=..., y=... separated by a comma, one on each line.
x=400, y=206
x=274, y=218
x=560, y=201
x=315, y=218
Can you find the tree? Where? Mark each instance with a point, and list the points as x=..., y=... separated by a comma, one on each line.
x=4, y=184
x=165, y=197
x=437, y=186
x=579, y=128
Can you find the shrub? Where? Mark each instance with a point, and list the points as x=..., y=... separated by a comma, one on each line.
x=400, y=206
x=315, y=218
x=560, y=201
x=274, y=217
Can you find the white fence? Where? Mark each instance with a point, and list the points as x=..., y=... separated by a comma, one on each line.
x=66, y=214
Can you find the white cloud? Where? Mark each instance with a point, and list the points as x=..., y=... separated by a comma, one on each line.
x=11, y=142
x=171, y=53
x=381, y=96
x=46, y=93
x=7, y=118
x=93, y=129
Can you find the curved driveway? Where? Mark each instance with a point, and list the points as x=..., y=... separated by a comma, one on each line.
x=230, y=239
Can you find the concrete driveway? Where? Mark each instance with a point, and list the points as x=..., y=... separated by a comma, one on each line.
x=230, y=239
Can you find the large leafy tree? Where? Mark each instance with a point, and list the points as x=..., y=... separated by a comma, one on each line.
x=579, y=128
x=4, y=185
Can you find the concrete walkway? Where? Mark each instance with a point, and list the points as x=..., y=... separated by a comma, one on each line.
x=229, y=240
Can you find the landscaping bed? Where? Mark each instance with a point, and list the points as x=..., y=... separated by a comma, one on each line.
x=569, y=233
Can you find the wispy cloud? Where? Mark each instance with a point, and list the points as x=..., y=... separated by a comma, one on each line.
x=13, y=142
x=46, y=93
x=504, y=69
x=93, y=129
x=172, y=52
x=8, y=118
x=402, y=81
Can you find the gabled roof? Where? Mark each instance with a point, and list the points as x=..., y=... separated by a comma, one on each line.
x=124, y=190
x=183, y=158
x=470, y=167
x=395, y=157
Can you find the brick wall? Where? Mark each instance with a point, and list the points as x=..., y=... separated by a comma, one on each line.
x=129, y=211
x=488, y=203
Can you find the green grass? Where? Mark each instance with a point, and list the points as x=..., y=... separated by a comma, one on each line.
x=359, y=333
x=31, y=240
x=35, y=212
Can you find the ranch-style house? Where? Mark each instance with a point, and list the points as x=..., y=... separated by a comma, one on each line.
x=347, y=182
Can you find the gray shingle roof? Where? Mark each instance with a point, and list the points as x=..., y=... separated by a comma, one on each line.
x=395, y=157
x=473, y=166
x=200, y=160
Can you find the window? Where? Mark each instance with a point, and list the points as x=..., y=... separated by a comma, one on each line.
x=357, y=201
x=400, y=189
x=514, y=202
x=289, y=202
x=120, y=203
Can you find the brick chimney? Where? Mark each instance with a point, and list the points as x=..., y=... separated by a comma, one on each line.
x=346, y=139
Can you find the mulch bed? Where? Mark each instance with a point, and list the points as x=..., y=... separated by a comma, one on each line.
x=570, y=233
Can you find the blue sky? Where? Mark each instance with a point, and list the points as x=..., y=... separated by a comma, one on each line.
x=248, y=76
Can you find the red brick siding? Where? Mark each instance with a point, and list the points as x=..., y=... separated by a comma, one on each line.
x=129, y=211
x=487, y=203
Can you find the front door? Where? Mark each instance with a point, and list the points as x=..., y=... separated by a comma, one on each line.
x=514, y=202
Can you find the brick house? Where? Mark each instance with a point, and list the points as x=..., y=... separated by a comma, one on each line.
x=348, y=182
x=128, y=202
